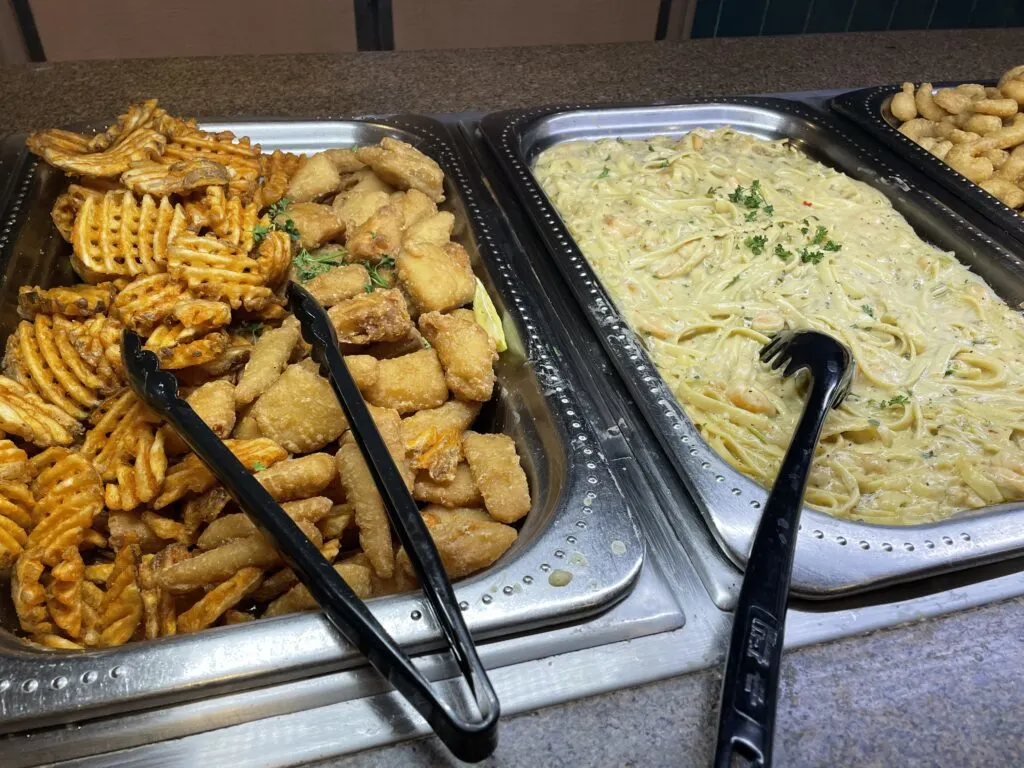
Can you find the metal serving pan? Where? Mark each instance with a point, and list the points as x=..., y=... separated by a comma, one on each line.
x=834, y=556
x=579, y=550
x=869, y=109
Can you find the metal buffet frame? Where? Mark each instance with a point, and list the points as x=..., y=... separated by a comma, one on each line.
x=579, y=527
x=869, y=109
x=834, y=556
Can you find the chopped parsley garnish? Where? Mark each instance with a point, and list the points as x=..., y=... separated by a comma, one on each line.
x=290, y=228
x=308, y=265
x=782, y=253
x=663, y=164
x=808, y=256
x=820, y=235
x=949, y=370
x=756, y=244
x=712, y=190
x=874, y=422
x=752, y=199
x=259, y=466
x=377, y=280
x=603, y=173
x=898, y=400
x=733, y=282
x=751, y=216
x=650, y=148
x=868, y=310
x=277, y=208
x=252, y=330
x=928, y=455
x=770, y=210
x=260, y=231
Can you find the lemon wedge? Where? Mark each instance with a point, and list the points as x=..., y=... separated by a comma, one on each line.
x=487, y=316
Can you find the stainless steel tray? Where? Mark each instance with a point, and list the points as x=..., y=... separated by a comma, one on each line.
x=834, y=556
x=869, y=109
x=579, y=522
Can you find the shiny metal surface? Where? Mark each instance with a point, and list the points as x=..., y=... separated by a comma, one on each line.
x=834, y=556
x=869, y=109
x=579, y=525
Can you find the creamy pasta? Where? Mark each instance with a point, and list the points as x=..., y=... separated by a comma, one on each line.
x=712, y=242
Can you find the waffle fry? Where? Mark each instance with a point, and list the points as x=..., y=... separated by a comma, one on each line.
x=276, y=170
x=60, y=150
x=192, y=476
x=215, y=270
x=145, y=114
x=127, y=450
x=28, y=416
x=73, y=301
x=29, y=595
x=274, y=258
x=239, y=156
x=149, y=177
x=16, y=504
x=119, y=236
x=158, y=605
x=68, y=495
x=98, y=342
x=120, y=611
x=219, y=599
x=14, y=466
x=65, y=208
x=148, y=301
x=64, y=593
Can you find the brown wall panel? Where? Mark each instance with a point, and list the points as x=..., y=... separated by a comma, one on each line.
x=107, y=29
x=493, y=23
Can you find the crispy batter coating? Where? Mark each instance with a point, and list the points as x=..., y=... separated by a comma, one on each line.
x=460, y=491
x=409, y=383
x=379, y=236
x=436, y=279
x=316, y=223
x=436, y=229
x=466, y=540
x=192, y=476
x=299, y=411
x=338, y=284
x=433, y=437
x=368, y=317
x=466, y=351
x=405, y=167
x=495, y=466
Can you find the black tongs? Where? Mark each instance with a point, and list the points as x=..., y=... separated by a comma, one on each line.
x=469, y=739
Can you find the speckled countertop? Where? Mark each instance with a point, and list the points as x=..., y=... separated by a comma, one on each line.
x=949, y=691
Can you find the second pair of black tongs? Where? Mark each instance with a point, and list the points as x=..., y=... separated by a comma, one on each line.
x=469, y=738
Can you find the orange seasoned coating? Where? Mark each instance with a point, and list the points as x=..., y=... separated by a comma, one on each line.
x=111, y=529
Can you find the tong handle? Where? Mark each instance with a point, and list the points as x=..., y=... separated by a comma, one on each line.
x=747, y=717
x=472, y=741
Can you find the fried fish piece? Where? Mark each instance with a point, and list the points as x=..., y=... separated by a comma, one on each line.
x=148, y=177
x=345, y=159
x=436, y=229
x=118, y=236
x=338, y=284
x=495, y=466
x=433, y=438
x=214, y=403
x=414, y=205
x=368, y=317
x=379, y=236
x=215, y=270
x=370, y=515
x=315, y=222
x=316, y=179
x=466, y=539
x=267, y=361
x=25, y=414
x=299, y=411
x=436, y=278
x=190, y=475
x=405, y=167
x=236, y=526
x=466, y=351
x=460, y=491
x=73, y=301
x=299, y=478
x=358, y=204
x=299, y=598
x=409, y=383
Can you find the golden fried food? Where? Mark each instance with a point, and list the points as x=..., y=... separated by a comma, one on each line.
x=315, y=222
x=971, y=128
x=338, y=284
x=112, y=529
x=495, y=466
x=148, y=177
x=118, y=236
x=467, y=353
x=368, y=317
x=26, y=415
x=299, y=411
x=437, y=279
x=433, y=437
x=73, y=301
x=409, y=383
x=405, y=167
x=466, y=539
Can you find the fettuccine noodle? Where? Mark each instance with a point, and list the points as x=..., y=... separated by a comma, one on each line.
x=712, y=242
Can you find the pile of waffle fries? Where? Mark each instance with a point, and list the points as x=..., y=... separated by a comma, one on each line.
x=111, y=529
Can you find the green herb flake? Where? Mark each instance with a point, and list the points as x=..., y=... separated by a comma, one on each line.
x=758, y=434
x=252, y=330
x=259, y=466
x=868, y=310
x=277, y=208
x=733, y=282
x=259, y=233
x=751, y=216
x=820, y=235
x=756, y=244
x=832, y=246
x=874, y=422
x=377, y=280
x=897, y=400
x=604, y=173
x=928, y=454
x=782, y=253
x=949, y=370
x=308, y=265
x=663, y=164
x=811, y=257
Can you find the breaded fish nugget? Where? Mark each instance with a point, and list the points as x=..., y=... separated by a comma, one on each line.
x=370, y=514
x=338, y=284
x=495, y=466
x=267, y=361
x=369, y=317
x=466, y=539
x=436, y=278
x=466, y=351
x=461, y=491
x=299, y=478
x=409, y=383
x=300, y=411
